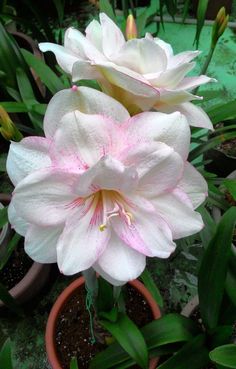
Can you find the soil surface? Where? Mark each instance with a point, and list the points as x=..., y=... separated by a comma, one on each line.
x=73, y=333
x=16, y=268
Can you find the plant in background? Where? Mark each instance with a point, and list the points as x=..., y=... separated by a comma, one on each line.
x=7, y=128
x=6, y=355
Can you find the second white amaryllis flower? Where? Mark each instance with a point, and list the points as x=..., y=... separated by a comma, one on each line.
x=104, y=190
x=142, y=74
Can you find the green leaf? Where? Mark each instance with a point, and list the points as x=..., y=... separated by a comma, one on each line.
x=220, y=335
x=105, y=7
x=3, y=217
x=6, y=253
x=171, y=7
x=151, y=286
x=130, y=338
x=3, y=160
x=14, y=107
x=222, y=112
x=74, y=363
x=10, y=59
x=60, y=5
x=193, y=354
x=212, y=142
x=201, y=12
x=159, y=335
x=224, y=355
x=230, y=184
x=28, y=98
x=210, y=227
x=230, y=285
x=47, y=76
x=5, y=355
x=104, y=301
x=213, y=269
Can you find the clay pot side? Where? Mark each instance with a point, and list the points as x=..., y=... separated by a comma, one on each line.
x=62, y=300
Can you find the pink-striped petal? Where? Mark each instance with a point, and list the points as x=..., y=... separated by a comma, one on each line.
x=82, y=242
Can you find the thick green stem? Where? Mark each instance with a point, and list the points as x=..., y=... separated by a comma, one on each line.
x=206, y=64
x=91, y=282
x=91, y=286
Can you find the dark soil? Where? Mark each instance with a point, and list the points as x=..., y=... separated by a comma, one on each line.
x=73, y=333
x=16, y=268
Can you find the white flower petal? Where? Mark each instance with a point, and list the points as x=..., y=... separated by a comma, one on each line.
x=195, y=115
x=194, y=185
x=182, y=58
x=147, y=233
x=112, y=37
x=107, y=174
x=87, y=100
x=78, y=44
x=84, y=70
x=46, y=197
x=160, y=171
x=64, y=57
x=127, y=79
x=82, y=242
x=41, y=243
x=94, y=34
x=142, y=56
x=119, y=263
x=182, y=220
x=82, y=139
x=26, y=156
x=188, y=83
x=172, y=129
x=16, y=221
x=171, y=77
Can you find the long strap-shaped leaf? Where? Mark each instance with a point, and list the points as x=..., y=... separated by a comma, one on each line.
x=224, y=355
x=193, y=354
x=47, y=76
x=212, y=274
x=201, y=12
x=5, y=355
x=129, y=337
x=159, y=335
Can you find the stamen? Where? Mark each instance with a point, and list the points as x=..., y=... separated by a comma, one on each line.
x=102, y=227
x=118, y=210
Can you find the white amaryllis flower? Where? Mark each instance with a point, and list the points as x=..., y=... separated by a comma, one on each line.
x=140, y=73
x=104, y=190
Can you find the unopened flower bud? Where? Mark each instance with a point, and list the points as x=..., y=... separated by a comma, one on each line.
x=7, y=128
x=219, y=26
x=131, y=29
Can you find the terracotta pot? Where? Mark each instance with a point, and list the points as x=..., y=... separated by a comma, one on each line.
x=61, y=301
x=34, y=279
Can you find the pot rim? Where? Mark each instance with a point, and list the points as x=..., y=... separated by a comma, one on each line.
x=61, y=301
